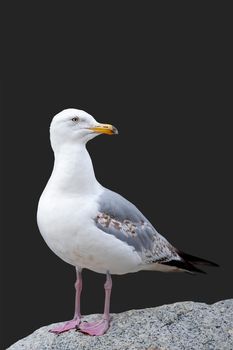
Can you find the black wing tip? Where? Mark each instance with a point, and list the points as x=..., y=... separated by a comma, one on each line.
x=196, y=260
x=183, y=265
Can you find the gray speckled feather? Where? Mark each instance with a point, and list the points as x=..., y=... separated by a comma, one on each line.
x=120, y=218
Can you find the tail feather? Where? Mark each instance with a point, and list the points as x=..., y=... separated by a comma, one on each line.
x=183, y=265
x=196, y=260
x=188, y=262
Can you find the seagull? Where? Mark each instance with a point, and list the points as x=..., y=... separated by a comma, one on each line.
x=92, y=227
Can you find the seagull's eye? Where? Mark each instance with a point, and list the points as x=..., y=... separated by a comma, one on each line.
x=75, y=119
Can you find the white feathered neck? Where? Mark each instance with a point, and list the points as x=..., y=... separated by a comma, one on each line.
x=73, y=170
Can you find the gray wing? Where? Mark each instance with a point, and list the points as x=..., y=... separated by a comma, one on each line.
x=120, y=218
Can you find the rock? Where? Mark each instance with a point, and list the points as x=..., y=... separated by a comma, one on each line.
x=183, y=325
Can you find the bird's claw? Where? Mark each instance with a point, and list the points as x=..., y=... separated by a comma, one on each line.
x=66, y=326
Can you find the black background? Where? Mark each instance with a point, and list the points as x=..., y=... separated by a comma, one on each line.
x=161, y=75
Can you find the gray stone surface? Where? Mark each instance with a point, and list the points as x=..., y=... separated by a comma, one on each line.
x=183, y=325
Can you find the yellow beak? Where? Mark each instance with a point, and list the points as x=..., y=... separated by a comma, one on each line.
x=105, y=129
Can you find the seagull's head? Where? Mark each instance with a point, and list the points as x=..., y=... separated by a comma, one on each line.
x=76, y=126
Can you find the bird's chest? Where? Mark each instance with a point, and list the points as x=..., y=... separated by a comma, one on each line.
x=65, y=224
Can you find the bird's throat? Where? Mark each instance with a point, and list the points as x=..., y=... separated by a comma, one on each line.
x=73, y=170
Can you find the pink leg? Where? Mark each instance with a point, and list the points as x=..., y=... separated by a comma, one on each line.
x=72, y=324
x=101, y=326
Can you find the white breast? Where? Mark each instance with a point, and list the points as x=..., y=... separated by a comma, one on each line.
x=62, y=221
